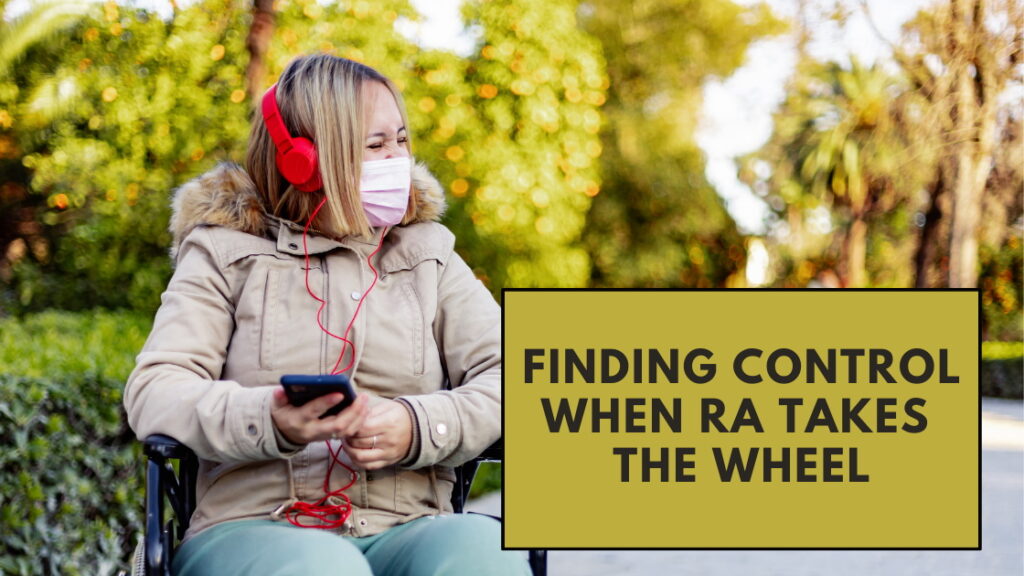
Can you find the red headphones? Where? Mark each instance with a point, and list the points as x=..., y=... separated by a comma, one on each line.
x=296, y=157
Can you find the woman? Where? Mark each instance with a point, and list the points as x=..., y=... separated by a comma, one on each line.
x=324, y=218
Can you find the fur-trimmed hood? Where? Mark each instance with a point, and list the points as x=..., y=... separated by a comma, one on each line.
x=226, y=196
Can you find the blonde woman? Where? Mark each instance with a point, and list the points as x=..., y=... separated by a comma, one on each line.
x=324, y=256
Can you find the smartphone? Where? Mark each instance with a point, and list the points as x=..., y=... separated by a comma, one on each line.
x=301, y=388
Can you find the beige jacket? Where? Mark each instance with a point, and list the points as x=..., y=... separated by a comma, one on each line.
x=236, y=316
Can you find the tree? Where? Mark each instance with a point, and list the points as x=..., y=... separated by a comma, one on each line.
x=261, y=30
x=110, y=117
x=1001, y=240
x=657, y=221
x=942, y=118
x=839, y=145
x=40, y=22
x=962, y=55
x=511, y=131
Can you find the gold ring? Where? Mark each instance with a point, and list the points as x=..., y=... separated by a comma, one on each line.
x=374, y=445
x=334, y=435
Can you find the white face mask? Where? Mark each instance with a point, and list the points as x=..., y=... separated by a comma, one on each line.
x=384, y=190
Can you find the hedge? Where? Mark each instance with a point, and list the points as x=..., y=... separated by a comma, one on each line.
x=70, y=470
x=70, y=477
x=60, y=344
x=1002, y=369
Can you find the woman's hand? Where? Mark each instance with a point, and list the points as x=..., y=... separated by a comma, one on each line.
x=302, y=424
x=383, y=439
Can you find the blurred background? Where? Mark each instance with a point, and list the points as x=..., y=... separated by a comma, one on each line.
x=602, y=143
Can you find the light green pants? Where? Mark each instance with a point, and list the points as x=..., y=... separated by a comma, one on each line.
x=456, y=545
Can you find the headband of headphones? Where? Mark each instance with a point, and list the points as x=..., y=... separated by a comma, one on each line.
x=296, y=158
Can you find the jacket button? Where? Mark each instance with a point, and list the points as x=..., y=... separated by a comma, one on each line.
x=442, y=428
x=251, y=430
x=293, y=246
x=356, y=295
x=362, y=522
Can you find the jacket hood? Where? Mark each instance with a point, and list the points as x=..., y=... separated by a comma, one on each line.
x=226, y=196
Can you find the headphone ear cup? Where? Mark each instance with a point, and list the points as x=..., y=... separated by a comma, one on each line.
x=299, y=166
x=312, y=183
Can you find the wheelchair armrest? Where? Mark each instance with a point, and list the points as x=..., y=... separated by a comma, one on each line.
x=159, y=445
x=179, y=489
x=464, y=474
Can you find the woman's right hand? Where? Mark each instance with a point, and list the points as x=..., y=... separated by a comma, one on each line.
x=302, y=424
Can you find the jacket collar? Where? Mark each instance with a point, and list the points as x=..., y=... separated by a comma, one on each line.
x=288, y=236
x=226, y=196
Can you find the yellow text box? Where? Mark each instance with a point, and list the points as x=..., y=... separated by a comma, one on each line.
x=741, y=419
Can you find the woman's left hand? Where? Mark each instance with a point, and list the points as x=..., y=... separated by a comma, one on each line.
x=383, y=439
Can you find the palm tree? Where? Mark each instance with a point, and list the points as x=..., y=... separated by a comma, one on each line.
x=840, y=142
x=843, y=161
x=42, y=20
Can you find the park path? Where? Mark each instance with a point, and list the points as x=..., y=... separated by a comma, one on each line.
x=1002, y=512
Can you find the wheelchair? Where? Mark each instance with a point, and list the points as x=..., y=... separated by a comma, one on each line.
x=155, y=552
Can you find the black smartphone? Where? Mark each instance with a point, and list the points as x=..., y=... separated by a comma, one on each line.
x=301, y=388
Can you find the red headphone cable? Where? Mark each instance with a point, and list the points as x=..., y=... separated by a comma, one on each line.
x=331, y=516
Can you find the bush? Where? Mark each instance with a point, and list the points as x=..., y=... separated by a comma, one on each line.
x=1002, y=350
x=56, y=345
x=1002, y=289
x=71, y=471
x=1002, y=369
x=487, y=479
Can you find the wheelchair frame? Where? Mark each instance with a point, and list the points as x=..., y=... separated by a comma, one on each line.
x=179, y=489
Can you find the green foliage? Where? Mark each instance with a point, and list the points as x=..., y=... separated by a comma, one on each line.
x=1002, y=289
x=360, y=31
x=843, y=174
x=1003, y=378
x=59, y=345
x=1002, y=350
x=71, y=476
x=1002, y=369
x=517, y=140
x=657, y=221
x=70, y=471
x=864, y=162
x=36, y=25
x=487, y=479
x=110, y=117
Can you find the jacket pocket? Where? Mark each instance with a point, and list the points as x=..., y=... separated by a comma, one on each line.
x=288, y=337
x=268, y=324
x=416, y=323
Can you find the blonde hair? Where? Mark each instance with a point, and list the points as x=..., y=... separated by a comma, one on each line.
x=320, y=97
